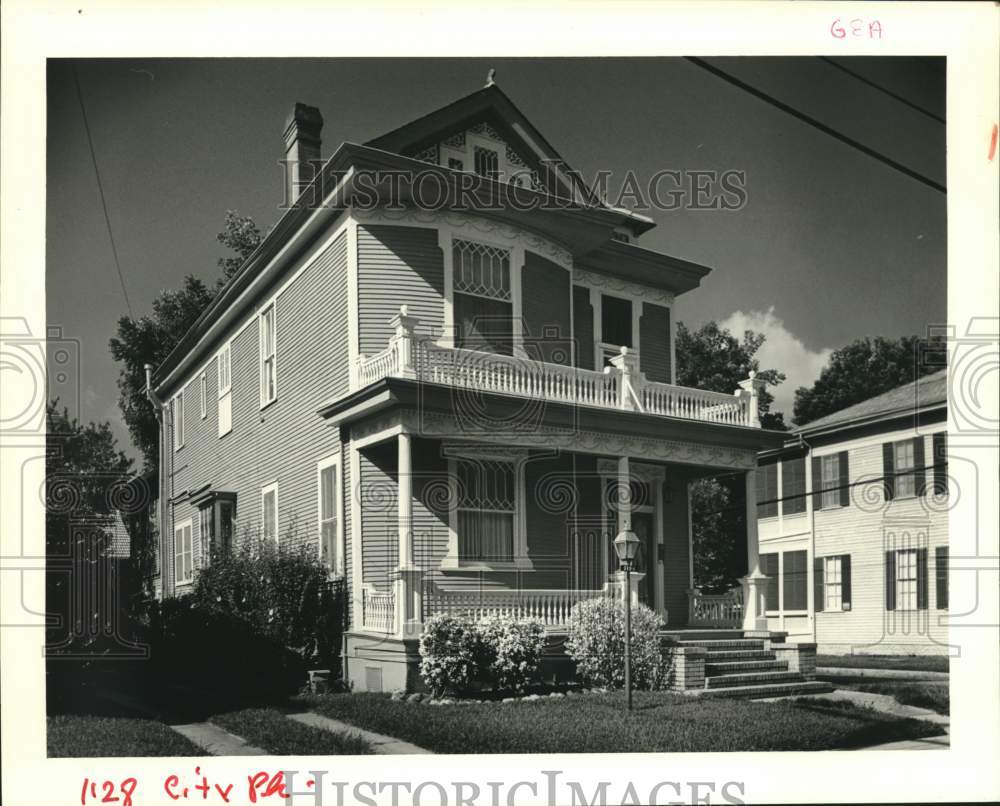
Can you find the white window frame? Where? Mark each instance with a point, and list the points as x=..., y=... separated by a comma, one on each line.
x=264, y=491
x=177, y=416
x=906, y=586
x=337, y=567
x=520, y=558
x=225, y=390
x=267, y=397
x=905, y=474
x=833, y=583
x=180, y=579
x=829, y=498
x=203, y=395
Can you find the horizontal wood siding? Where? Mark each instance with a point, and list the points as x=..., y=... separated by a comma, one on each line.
x=431, y=503
x=592, y=530
x=379, y=514
x=654, y=342
x=675, y=568
x=283, y=442
x=545, y=295
x=583, y=322
x=550, y=495
x=398, y=266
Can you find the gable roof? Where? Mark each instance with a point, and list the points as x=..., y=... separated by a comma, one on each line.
x=928, y=392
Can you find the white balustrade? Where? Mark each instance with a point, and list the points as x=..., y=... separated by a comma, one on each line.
x=621, y=386
x=551, y=607
x=378, y=610
x=715, y=610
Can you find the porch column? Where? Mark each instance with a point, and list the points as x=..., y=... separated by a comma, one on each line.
x=625, y=524
x=409, y=587
x=755, y=581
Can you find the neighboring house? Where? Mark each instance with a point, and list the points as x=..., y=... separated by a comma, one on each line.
x=442, y=403
x=853, y=525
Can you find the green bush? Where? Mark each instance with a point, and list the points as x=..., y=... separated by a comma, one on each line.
x=450, y=654
x=512, y=649
x=596, y=641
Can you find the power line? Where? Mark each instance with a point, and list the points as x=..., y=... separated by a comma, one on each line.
x=882, y=89
x=100, y=188
x=802, y=116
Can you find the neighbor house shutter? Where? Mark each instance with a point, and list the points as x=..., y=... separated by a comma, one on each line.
x=921, y=579
x=890, y=580
x=920, y=471
x=888, y=471
x=941, y=577
x=817, y=480
x=939, y=445
x=845, y=582
x=845, y=480
x=818, y=584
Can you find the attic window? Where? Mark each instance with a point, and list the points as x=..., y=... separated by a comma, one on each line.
x=486, y=162
x=456, y=165
x=620, y=236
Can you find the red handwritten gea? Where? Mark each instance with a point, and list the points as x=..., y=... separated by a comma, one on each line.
x=856, y=29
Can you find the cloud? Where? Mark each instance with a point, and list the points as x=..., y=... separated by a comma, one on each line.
x=783, y=351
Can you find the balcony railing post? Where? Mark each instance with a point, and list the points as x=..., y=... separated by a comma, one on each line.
x=403, y=341
x=630, y=380
x=750, y=391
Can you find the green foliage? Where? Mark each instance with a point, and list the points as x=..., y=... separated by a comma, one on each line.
x=866, y=368
x=718, y=526
x=241, y=236
x=596, y=642
x=450, y=653
x=513, y=649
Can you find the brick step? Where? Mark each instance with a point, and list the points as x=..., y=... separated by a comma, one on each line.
x=684, y=636
x=724, y=643
x=713, y=669
x=752, y=678
x=804, y=687
x=726, y=655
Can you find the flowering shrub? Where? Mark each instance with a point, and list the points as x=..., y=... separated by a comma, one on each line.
x=596, y=641
x=512, y=649
x=450, y=653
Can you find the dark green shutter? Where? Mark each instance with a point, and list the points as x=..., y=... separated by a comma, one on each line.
x=818, y=584
x=817, y=474
x=888, y=472
x=845, y=480
x=921, y=579
x=941, y=577
x=845, y=582
x=890, y=580
x=920, y=471
x=939, y=443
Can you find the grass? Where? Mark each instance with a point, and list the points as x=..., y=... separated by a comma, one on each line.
x=915, y=663
x=934, y=696
x=597, y=723
x=274, y=732
x=96, y=736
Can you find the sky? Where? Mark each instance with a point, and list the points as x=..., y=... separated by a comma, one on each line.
x=831, y=244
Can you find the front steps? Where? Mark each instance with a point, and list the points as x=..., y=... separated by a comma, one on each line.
x=739, y=666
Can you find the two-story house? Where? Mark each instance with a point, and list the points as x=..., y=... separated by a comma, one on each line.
x=449, y=370
x=853, y=525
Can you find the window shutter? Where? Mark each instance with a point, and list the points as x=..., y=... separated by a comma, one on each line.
x=921, y=579
x=817, y=482
x=890, y=580
x=941, y=577
x=845, y=480
x=818, y=584
x=920, y=470
x=888, y=472
x=845, y=582
x=939, y=444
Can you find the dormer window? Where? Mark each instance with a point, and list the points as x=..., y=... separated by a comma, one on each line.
x=487, y=162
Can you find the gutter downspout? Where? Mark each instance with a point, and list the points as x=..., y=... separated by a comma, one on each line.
x=158, y=408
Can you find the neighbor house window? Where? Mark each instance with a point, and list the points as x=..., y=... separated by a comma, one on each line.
x=486, y=162
x=830, y=480
x=178, y=418
x=941, y=577
x=767, y=491
x=832, y=582
x=616, y=326
x=793, y=486
x=795, y=579
x=269, y=512
x=769, y=568
x=906, y=579
x=203, y=397
x=217, y=523
x=268, y=379
x=904, y=466
x=483, y=310
x=183, y=554
x=224, y=364
x=486, y=509
x=329, y=506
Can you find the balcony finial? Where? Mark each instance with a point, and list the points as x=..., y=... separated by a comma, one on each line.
x=623, y=350
x=404, y=310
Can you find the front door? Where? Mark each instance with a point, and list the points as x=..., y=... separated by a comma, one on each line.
x=645, y=561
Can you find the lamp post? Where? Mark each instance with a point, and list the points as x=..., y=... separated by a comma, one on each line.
x=626, y=547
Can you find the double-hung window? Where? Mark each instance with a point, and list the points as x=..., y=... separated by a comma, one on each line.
x=217, y=523
x=268, y=368
x=269, y=512
x=486, y=509
x=833, y=583
x=904, y=464
x=793, y=486
x=329, y=510
x=224, y=365
x=616, y=326
x=906, y=579
x=183, y=554
x=203, y=396
x=483, y=307
x=830, y=478
x=767, y=491
x=178, y=418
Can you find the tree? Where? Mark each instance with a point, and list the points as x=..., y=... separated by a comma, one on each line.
x=866, y=368
x=713, y=358
x=149, y=339
x=718, y=532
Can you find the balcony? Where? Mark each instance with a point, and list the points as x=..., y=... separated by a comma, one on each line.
x=621, y=386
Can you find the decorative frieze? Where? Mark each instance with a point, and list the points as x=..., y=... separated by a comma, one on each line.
x=606, y=282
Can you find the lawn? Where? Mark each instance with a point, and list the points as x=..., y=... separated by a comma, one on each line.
x=915, y=663
x=95, y=736
x=272, y=731
x=599, y=723
x=923, y=695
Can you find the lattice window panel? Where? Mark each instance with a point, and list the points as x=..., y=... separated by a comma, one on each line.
x=485, y=485
x=481, y=270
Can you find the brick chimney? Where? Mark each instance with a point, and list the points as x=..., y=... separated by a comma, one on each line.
x=302, y=150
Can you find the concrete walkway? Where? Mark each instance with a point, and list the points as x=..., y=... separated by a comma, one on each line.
x=217, y=742
x=884, y=674
x=381, y=745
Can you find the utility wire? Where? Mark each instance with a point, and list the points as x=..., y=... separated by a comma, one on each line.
x=881, y=89
x=802, y=116
x=100, y=188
